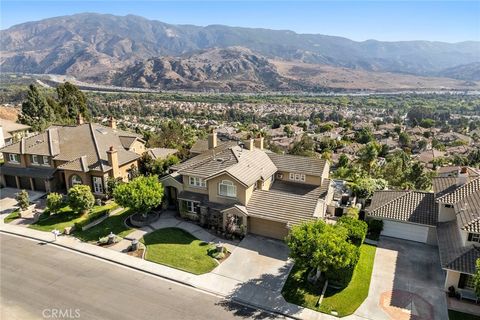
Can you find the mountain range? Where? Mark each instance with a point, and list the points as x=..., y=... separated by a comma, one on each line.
x=134, y=51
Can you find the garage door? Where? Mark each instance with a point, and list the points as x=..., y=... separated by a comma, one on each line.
x=266, y=228
x=405, y=231
x=39, y=184
x=10, y=181
x=25, y=183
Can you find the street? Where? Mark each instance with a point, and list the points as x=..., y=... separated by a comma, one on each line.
x=41, y=281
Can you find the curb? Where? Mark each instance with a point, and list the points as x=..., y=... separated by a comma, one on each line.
x=237, y=300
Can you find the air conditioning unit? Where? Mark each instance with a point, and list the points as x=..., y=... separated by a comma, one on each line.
x=279, y=175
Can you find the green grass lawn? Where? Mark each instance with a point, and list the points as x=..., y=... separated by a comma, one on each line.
x=345, y=301
x=66, y=217
x=113, y=224
x=179, y=249
x=455, y=315
x=12, y=216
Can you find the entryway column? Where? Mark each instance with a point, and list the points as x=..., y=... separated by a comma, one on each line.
x=32, y=184
x=17, y=181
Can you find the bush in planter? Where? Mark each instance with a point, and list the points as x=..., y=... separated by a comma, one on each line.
x=357, y=229
x=375, y=227
x=23, y=199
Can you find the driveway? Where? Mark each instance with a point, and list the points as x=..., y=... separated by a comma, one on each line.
x=407, y=283
x=7, y=198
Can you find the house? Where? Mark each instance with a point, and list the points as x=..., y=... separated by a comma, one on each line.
x=408, y=215
x=64, y=156
x=458, y=200
x=449, y=217
x=161, y=153
x=258, y=191
x=11, y=132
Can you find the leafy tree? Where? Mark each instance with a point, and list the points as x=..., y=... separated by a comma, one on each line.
x=72, y=100
x=80, y=198
x=343, y=161
x=364, y=136
x=365, y=187
x=317, y=245
x=288, y=130
x=142, y=194
x=404, y=139
x=304, y=147
x=54, y=202
x=148, y=166
x=476, y=278
x=36, y=112
x=23, y=199
x=112, y=183
x=368, y=155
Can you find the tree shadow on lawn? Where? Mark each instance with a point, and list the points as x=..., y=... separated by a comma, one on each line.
x=170, y=236
x=264, y=292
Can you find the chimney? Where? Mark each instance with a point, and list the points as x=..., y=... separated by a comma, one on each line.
x=112, y=122
x=2, y=137
x=80, y=119
x=212, y=140
x=462, y=177
x=113, y=161
x=259, y=143
x=249, y=144
x=53, y=146
x=22, y=145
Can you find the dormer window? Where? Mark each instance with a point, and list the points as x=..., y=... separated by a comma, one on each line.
x=14, y=158
x=297, y=177
x=75, y=179
x=226, y=188
x=35, y=159
x=474, y=237
x=45, y=161
x=197, y=182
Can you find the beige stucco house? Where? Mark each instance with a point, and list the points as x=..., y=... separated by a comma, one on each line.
x=256, y=190
x=63, y=156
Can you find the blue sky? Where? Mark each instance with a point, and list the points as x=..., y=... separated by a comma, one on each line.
x=450, y=21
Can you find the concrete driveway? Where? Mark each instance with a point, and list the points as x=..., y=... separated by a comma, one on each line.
x=407, y=283
x=7, y=198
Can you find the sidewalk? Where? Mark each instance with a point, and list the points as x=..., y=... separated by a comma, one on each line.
x=245, y=293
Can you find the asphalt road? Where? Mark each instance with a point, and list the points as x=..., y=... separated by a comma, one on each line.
x=39, y=281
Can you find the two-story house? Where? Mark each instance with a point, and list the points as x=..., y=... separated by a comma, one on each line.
x=64, y=156
x=448, y=217
x=262, y=192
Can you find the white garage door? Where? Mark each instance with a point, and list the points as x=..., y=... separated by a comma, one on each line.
x=405, y=231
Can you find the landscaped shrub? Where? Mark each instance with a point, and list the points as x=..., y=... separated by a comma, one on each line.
x=23, y=199
x=80, y=198
x=357, y=229
x=54, y=202
x=341, y=276
x=92, y=216
x=375, y=227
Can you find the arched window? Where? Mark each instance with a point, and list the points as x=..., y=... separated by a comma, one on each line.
x=76, y=180
x=226, y=188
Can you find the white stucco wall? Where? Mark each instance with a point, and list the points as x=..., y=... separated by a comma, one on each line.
x=452, y=279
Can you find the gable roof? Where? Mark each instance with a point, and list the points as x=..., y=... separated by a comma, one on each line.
x=456, y=194
x=161, y=153
x=408, y=206
x=466, y=262
x=246, y=166
x=86, y=144
x=298, y=164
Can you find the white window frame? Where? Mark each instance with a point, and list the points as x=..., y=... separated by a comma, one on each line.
x=97, y=184
x=192, y=206
x=13, y=158
x=35, y=159
x=74, y=182
x=475, y=237
x=45, y=161
x=197, y=182
x=297, y=177
x=230, y=188
x=469, y=282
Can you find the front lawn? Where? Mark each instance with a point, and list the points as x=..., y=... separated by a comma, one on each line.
x=66, y=217
x=12, y=216
x=179, y=249
x=456, y=315
x=114, y=224
x=345, y=301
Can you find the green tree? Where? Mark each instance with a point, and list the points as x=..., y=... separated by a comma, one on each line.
x=357, y=229
x=476, y=278
x=305, y=147
x=54, y=202
x=36, y=112
x=80, y=198
x=404, y=139
x=368, y=155
x=23, y=199
x=72, y=100
x=142, y=194
x=343, y=161
x=321, y=247
x=112, y=183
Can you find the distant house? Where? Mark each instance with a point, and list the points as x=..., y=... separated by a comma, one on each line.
x=64, y=156
x=11, y=132
x=263, y=192
x=161, y=153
